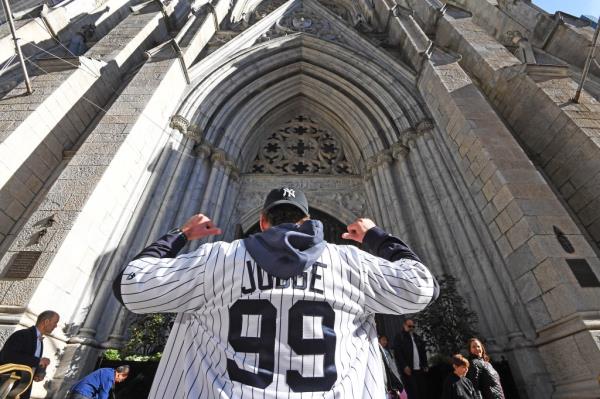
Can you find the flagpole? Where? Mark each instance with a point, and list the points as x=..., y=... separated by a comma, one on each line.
x=11, y=24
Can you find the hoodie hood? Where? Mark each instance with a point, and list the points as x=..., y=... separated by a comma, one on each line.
x=287, y=250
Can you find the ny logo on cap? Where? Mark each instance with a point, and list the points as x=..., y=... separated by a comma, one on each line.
x=288, y=192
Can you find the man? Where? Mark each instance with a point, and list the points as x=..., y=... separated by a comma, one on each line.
x=411, y=356
x=27, y=347
x=393, y=380
x=98, y=384
x=279, y=314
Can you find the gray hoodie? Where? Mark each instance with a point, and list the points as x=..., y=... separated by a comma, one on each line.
x=288, y=249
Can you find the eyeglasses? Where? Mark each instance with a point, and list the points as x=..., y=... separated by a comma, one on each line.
x=410, y=326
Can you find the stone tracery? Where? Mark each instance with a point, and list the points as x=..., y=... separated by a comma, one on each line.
x=301, y=146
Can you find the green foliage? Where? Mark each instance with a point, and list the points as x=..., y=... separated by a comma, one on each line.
x=112, y=354
x=148, y=334
x=448, y=323
x=144, y=358
x=147, y=338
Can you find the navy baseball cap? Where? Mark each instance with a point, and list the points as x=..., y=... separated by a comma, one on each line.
x=286, y=195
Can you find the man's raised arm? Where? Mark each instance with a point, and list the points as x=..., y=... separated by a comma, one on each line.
x=157, y=280
x=396, y=281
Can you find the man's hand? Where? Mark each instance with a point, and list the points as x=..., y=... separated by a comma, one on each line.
x=199, y=226
x=358, y=229
x=407, y=370
x=40, y=372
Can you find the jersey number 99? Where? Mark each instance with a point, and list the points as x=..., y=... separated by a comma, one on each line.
x=264, y=345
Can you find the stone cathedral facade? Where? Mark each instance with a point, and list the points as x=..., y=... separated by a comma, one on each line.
x=451, y=123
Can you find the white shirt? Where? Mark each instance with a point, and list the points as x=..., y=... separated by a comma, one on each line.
x=38, y=345
x=416, y=361
x=240, y=333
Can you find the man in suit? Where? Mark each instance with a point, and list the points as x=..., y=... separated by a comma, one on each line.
x=411, y=357
x=26, y=346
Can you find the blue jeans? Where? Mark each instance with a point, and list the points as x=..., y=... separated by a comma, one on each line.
x=75, y=395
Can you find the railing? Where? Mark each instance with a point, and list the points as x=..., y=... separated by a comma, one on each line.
x=15, y=373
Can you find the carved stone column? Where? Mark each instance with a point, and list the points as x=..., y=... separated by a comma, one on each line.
x=218, y=160
x=370, y=191
x=449, y=226
x=371, y=186
x=177, y=187
x=229, y=201
x=116, y=338
x=390, y=194
x=419, y=227
x=196, y=184
x=224, y=187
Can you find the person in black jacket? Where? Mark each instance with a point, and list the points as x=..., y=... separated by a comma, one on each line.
x=392, y=378
x=482, y=374
x=27, y=347
x=411, y=357
x=456, y=385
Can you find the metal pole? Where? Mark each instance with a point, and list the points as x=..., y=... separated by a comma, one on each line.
x=11, y=24
x=588, y=61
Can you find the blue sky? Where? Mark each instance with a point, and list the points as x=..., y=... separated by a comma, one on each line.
x=574, y=7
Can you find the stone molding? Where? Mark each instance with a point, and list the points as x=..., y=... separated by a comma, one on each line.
x=301, y=146
x=219, y=157
x=398, y=10
x=343, y=197
x=184, y=127
x=400, y=151
x=203, y=150
x=180, y=123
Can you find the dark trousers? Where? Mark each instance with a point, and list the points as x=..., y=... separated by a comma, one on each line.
x=415, y=385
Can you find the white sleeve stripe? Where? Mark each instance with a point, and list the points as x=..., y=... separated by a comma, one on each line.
x=404, y=289
x=408, y=279
x=185, y=269
x=393, y=310
x=149, y=260
x=148, y=289
x=395, y=276
x=142, y=283
x=160, y=296
x=171, y=291
x=163, y=308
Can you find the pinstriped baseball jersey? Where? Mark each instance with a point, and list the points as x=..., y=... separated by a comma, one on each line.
x=242, y=333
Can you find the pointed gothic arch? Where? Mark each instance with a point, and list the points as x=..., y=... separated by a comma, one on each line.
x=375, y=105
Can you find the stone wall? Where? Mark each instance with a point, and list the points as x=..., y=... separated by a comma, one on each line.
x=37, y=130
x=522, y=209
x=562, y=137
x=475, y=158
